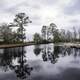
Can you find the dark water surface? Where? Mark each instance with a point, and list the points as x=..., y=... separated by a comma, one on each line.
x=40, y=62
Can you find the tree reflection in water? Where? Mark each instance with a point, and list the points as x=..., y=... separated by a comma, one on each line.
x=49, y=52
x=37, y=50
x=22, y=69
x=52, y=53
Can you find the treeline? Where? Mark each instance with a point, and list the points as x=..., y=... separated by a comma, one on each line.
x=52, y=34
x=10, y=35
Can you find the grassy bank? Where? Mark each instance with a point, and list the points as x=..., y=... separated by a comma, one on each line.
x=20, y=44
x=74, y=45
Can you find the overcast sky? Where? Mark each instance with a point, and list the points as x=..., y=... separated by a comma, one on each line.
x=64, y=13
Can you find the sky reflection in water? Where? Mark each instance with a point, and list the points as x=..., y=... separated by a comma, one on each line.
x=40, y=62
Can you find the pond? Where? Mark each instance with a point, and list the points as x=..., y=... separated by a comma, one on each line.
x=40, y=62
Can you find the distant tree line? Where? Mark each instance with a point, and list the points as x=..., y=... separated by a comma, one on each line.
x=52, y=34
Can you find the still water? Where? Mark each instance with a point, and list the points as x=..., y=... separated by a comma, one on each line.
x=40, y=62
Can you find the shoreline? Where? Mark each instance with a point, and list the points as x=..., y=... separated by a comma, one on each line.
x=73, y=45
x=19, y=44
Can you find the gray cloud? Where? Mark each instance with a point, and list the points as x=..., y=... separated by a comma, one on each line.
x=36, y=4
x=36, y=20
x=74, y=21
x=41, y=11
x=48, y=2
x=73, y=9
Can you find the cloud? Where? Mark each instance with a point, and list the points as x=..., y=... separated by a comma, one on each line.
x=73, y=8
x=42, y=12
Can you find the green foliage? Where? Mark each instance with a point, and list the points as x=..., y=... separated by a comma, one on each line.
x=56, y=37
x=52, y=28
x=37, y=38
x=44, y=32
x=6, y=33
x=8, y=36
x=21, y=20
